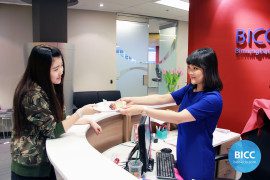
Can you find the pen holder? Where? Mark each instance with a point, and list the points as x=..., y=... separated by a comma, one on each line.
x=162, y=134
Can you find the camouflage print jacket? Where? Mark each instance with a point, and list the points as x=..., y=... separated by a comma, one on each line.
x=28, y=152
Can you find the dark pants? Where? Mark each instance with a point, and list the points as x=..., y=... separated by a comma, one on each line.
x=15, y=176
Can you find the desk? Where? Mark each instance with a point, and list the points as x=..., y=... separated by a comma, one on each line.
x=76, y=155
x=122, y=150
x=116, y=128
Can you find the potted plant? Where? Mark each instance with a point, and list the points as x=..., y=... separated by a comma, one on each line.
x=171, y=78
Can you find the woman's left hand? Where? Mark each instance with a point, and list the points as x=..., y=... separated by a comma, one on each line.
x=88, y=109
x=92, y=123
x=96, y=127
x=132, y=110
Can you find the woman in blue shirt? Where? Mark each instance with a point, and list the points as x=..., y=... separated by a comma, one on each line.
x=200, y=108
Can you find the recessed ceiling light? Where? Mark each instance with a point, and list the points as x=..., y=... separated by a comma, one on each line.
x=175, y=3
x=101, y=4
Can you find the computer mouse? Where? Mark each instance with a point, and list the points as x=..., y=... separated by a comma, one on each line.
x=166, y=150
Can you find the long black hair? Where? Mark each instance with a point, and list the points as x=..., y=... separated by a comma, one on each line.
x=206, y=59
x=38, y=71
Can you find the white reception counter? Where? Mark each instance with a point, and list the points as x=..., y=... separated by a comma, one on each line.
x=75, y=155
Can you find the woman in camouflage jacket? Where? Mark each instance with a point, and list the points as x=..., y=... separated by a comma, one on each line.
x=39, y=114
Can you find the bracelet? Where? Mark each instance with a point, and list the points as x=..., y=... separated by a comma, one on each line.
x=144, y=112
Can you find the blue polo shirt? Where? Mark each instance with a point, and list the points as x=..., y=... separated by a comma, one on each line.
x=195, y=153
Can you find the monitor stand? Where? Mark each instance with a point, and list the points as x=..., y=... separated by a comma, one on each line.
x=132, y=152
x=150, y=161
x=150, y=165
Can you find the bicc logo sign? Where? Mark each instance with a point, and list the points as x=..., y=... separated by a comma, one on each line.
x=244, y=156
x=260, y=37
x=243, y=36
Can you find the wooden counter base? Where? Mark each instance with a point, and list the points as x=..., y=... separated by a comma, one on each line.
x=112, y=133
x=115, y=130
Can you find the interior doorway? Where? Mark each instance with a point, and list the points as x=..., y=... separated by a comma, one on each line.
x=145, y=46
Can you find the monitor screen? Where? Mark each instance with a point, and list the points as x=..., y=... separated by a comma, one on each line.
x=144, y=131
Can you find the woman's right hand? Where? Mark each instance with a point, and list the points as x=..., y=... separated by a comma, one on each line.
x=132, y=110
x=128, y=100
x=88, y=109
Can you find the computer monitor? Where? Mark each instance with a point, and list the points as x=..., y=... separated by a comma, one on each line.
x=144, y=132
x=144, y=144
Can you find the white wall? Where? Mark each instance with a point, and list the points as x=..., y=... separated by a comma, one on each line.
x=15, y=31
x=182, y=50
x=92, y=33
x=94, y=36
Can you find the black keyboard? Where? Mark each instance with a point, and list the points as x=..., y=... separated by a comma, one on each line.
x=165, y=165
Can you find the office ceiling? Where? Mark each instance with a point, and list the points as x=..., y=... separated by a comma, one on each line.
x=138, y=7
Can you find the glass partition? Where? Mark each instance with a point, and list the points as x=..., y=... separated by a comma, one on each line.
x=167, y=52
x=143, y=49
x=132, y=57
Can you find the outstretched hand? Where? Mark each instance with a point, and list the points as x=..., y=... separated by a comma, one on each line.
x=128, y=100
x=131, y=110
x=88, y=109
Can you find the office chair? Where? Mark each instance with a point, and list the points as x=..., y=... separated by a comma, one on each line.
x=6, y=123
x=257, y=130
x=261, y=137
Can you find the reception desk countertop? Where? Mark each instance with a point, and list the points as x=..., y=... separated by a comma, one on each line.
x=73, y=157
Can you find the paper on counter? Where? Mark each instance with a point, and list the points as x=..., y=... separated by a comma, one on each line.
x=157, y=121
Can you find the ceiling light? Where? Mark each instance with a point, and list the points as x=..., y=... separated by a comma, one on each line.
x=101, y=5
x=175, y=3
